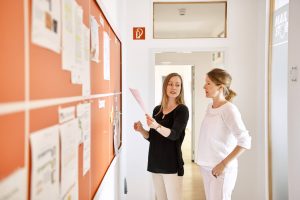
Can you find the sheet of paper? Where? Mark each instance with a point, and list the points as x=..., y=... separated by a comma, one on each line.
x=46, y=24
x=101, y=103
x=84, y=117
x=79, y=49
x=101, y=21
x=116, y=128
x=45, y=164
x=66, y=114
x=13, y=187
x=94, y=39
x=86, y=78
x=72, y=193
x=69, y=137
x=138, y=98
x=106, y=55
x=68, y=34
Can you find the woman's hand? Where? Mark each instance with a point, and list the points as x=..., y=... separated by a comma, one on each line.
x=218, y=169
x=138, y=126
x=151, y=122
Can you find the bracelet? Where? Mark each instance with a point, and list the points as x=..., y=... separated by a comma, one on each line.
x=159, y=126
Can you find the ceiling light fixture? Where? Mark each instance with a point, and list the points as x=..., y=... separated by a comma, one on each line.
x=182, y=11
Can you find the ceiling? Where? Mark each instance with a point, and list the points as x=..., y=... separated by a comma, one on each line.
x=189, y=19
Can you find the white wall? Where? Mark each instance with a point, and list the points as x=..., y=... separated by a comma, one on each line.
x=112, y=10
x=262, y=99
x=293, y=103
x=244, y=62
x=247, y=67
x=278, y=105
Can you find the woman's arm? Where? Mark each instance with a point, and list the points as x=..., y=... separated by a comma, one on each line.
x=173, y=133
x=159, y=128
x=219, y=168
x=139, y=128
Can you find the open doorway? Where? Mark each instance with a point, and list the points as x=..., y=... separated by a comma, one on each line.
x=192, y=66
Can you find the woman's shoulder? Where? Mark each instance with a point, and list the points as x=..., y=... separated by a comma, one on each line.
x=182, y=108
x=156, y=109
x=231, y=109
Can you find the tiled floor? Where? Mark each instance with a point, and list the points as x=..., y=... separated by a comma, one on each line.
x=192, y=180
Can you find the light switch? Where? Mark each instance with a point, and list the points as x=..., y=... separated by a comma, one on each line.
x=293, y=73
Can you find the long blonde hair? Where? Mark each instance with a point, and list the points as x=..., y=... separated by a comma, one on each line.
x=221, y=77
x=164, y=100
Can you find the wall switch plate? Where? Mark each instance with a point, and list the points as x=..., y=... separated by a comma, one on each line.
x=293, y=72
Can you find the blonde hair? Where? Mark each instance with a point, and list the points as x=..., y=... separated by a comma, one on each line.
x=164, y=100
x=223, y=78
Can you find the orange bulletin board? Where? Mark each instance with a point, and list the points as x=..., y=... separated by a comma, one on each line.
x=34, y=87
x=12, y=51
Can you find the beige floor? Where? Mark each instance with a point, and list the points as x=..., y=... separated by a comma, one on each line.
x=192, y=180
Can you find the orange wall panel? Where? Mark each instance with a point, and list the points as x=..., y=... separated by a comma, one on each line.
x=12, y=143
x=83, y=181
x=115, y=60
x=47, y=80
x=12, y=56
x=100, y=146
x=43, y=118
x=98, y=84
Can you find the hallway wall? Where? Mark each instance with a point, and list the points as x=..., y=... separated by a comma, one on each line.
x=293, y=102
x=245, y=60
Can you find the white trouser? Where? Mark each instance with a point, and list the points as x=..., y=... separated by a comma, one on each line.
x=167, y=186
x=219, y=188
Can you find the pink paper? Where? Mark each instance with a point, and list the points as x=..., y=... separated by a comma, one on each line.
x=137, y=96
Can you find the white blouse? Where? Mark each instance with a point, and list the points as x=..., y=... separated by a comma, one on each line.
x=221, y=130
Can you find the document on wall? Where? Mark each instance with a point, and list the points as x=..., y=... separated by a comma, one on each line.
x=66, y=114
x=86, y=78
x=77, y=68
x=84, y=117
x=106, y=56
x=138, y=98
x=101, y=20
x=68, y=34
x=69, y=137
x=72, y=193
x=94, y=39
x=13, y=187
x=116, y=130
x=45, y=164
x=46, y=24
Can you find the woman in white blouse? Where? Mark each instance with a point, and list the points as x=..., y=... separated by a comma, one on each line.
x=223, y=137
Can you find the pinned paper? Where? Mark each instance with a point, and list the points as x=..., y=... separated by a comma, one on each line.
x=137, y=96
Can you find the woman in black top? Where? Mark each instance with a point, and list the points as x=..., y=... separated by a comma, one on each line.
x=166, y=134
